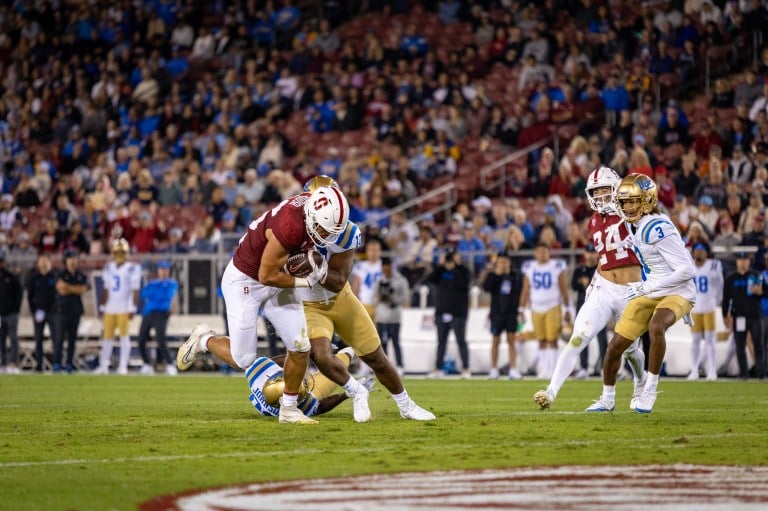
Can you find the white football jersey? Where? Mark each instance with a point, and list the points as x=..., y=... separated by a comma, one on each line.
x=121, y=281
x=369, y=273
x=350, y=239
x=543, y=281
x=662, y=254
x=709, y=286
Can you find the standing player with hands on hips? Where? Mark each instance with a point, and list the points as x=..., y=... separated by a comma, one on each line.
x=253, y=279
x=606, y=300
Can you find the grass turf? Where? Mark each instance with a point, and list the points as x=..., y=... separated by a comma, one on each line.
x=86, y=442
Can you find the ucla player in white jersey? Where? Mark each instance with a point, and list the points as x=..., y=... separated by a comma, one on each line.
x=333, y=306
x=545, y=291
x=665, y=294
x=122, y=281
x=366, y=274
x=266, y=383
x=708, y=278
x=618, y=266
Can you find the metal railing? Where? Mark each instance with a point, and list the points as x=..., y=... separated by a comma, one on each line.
x=489, y=180
x=448, y=190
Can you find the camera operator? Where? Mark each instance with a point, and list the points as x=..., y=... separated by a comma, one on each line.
x=450, y=282
x=391, y=293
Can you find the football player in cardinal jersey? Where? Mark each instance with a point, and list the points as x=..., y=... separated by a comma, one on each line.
x=665, y=293
x=253, y=279
x=617, y=267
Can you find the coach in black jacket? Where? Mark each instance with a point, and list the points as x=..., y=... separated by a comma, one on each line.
x=450, y=283
x=10, y=303
x=742, y=313
x=41, y=295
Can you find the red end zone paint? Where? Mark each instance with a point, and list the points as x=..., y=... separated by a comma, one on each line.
x=572, y=488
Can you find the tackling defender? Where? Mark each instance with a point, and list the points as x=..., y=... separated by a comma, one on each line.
x=617, y=267
x=333, y=306
x=253, y=279
x=708, y=279
x=665, y=294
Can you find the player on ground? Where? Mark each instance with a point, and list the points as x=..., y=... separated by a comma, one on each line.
x=253, y=279
x=122, y=281
x=617, y=267
x=266, y=382
x=545, y=290
x=665, y=294
x=334, y=307
x=708, y=278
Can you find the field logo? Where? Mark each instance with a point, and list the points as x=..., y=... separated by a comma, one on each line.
x=571, y=488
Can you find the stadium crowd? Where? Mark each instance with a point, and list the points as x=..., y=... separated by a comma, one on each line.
x=115, y=114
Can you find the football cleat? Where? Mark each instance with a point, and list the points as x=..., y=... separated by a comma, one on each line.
x=360, y=410
x=188, y=351
x=581, y=374
x=544, y=398
x=636, y=393
x=601, y=405
x=415, y=412
x=147, y=369
x=101, y=370
x=514, y=374
x=693, y=375
x=493, y=374
x=646, y=401
x=292, y=415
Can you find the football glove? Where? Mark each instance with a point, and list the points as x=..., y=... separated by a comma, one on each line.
x=319, y=272
x=636, y=289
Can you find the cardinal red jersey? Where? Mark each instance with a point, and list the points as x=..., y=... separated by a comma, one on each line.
x=287, y=223
x=610, y=238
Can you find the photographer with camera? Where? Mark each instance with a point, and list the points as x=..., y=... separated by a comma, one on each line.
x=450, y=284
x=391, y=293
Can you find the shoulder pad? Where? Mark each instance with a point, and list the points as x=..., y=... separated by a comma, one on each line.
x=656, y=230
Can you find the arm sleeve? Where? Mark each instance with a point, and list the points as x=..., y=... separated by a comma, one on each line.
x=675, y=253
x=490, y=283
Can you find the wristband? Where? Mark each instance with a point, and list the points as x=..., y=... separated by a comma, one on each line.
x=300, y=282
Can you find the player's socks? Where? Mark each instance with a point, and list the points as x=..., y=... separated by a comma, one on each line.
x=353, y=386
x=125, y=352
x=636, y=360
x=402, y=399
x=609, y=392
x=710, y=352
x=203, y=345
x=289, y=400
x=651, y=382
x=564, y=367
x=696, y=351
x=106, y=353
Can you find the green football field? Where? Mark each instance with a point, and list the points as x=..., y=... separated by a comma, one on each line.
x=88, y=442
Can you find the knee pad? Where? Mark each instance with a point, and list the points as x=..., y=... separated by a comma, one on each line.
x=302, y=345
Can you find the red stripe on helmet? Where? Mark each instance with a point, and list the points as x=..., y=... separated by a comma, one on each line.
x=341, y=206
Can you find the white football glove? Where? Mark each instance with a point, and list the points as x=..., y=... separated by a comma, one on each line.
x=636, y=289
x=319, y=272
x=628, y=243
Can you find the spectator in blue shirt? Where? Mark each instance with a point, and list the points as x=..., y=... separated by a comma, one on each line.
x=158, y=296
x=412, y=44
x=615, y=96
x=471, y=248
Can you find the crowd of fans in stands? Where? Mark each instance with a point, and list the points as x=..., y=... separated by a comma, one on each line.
x=112, y=112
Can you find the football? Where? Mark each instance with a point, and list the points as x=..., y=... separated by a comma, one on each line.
x=300, y=265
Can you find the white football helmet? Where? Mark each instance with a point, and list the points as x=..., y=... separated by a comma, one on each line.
x=326, y=213
x=601, y=178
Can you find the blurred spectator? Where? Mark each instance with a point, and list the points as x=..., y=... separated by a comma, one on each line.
x=10, y=305
x=740, y=169
x=747, y=90
x=756, y=236
x=666, y=187
x=175, y=244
